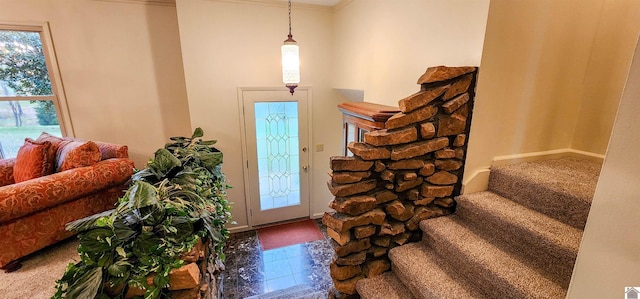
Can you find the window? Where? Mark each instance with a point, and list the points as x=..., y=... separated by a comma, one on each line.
x=30, y=101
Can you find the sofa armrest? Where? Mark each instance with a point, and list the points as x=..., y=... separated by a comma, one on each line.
x=6, y=171
x=26, y=197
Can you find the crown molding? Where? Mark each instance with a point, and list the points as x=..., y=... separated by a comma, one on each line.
x=276, y=3
x=341, y=5
x=171, y=3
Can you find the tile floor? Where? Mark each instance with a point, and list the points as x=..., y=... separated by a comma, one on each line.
x=252, y=271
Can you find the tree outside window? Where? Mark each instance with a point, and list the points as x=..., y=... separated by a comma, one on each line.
x=27, y=102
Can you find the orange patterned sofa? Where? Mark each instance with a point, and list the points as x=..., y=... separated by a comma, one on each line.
x=33, y=213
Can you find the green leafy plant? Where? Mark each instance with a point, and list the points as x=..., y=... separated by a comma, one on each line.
x=177, y=200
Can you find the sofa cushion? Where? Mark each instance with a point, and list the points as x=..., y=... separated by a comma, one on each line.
x=55, y=144
x=33, y=161
x=55, y=140
x=74, y=154
x=111, y=150
x=108, y=150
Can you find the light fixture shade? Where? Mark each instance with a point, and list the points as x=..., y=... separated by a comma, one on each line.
x=290, y=63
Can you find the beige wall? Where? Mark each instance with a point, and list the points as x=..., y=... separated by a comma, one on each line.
x=383, y=46
x=121, y=68
x=229, y=44
x=608, y=257
x=550, y=77
x=618, y=28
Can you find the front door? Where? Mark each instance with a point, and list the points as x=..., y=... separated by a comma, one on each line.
x=277, y=155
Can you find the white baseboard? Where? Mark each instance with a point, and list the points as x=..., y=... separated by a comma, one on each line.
x=586, y=155
x=243, y=228
x=239, y=229
x=479, y=180
x=545, y=155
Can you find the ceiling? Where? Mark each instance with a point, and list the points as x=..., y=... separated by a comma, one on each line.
x=318, y=2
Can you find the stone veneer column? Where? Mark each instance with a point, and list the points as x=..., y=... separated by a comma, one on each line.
x=399, y=176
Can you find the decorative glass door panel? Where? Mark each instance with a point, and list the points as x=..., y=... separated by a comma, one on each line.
x=278, y=158
x=276, y=139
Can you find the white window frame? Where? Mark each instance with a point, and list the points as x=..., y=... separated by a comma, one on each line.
x=58, y=97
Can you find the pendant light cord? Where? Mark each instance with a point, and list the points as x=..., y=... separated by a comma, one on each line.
x=289, y=18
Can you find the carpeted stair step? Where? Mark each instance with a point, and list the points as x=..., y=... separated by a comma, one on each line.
x=426, y=274
x=493, y=272
x=384, y=286
x=538, y=240
x=560, y=188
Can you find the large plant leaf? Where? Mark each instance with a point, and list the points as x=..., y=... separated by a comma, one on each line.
x=162, y=279
x=146, y=175
x=145, y=244
x=87, y=223
x=165, y=164
x=208, y=223
x=211, y=160
x=198, y=132
x=87, y=285
x=183, y=228
x=142, y=194
x=152, y=215
x=187, y=194
x=185, y=178
x=105, y=259
x=124, y=228
x=119, y=268
x=96, y=240
x=208, y=142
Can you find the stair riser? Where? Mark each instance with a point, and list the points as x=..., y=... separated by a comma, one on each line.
x=554, y=261
x=483, y=280
x=428, y=275
x=383, y=286
x=563, y=207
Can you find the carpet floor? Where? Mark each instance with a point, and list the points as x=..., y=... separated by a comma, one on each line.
x=37, y=277
x=519, y=239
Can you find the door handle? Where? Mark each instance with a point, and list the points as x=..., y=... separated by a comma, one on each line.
x=305, y=167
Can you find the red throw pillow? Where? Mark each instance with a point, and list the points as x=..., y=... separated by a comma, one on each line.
x=33, y=161
x=74, y=154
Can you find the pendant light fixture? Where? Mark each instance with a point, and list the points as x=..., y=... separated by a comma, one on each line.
x=290, y=60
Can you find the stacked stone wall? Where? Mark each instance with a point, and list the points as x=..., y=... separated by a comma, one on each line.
x=399, y=176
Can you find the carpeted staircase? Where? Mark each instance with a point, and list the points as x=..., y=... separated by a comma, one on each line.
x=519, y=239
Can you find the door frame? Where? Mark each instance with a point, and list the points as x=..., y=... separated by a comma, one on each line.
x=245, y=151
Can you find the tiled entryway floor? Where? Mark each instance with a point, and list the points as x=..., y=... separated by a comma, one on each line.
x=252, y=271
